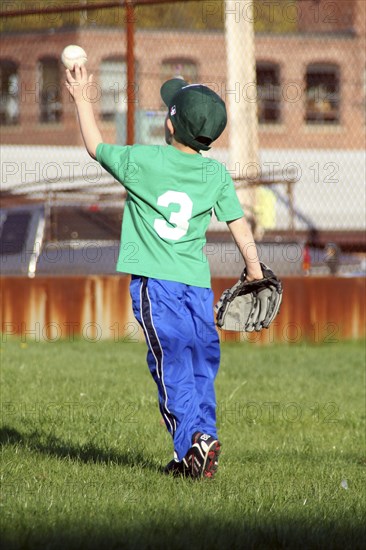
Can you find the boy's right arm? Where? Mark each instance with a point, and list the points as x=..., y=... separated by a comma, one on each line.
x=77, y=88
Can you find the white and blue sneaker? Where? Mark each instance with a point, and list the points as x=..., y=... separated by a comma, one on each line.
x=201, y=459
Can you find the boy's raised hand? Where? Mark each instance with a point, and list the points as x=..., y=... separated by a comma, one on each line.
x=76, y=84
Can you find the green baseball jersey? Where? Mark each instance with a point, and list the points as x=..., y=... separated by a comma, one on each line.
x=170, y=199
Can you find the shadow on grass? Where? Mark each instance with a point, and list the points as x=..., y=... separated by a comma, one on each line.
x=140, y=525
x=87, y=453
x=206, y=533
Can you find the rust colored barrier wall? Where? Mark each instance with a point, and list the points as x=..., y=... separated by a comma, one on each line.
x=316, y=309
x=52, y=308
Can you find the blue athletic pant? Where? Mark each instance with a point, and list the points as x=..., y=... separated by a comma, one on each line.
x=183, y=355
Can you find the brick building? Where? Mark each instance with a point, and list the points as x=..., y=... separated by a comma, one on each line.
x=311, y=84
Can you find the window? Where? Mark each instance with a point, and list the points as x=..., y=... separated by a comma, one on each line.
x=179, y=68
x=49, y=90
x=113, y=79
x=9, y=99
x=322, y=94
x=269, y=94
x=89, y=223
x=13, y=234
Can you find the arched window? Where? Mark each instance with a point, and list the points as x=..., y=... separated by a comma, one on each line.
x=9, y=99
x=179, y=68
x=49, y=90
x=322, y=94
x=113, y=81
x=269, y=94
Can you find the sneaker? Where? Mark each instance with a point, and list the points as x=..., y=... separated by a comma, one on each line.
x=175, y=469
x=202, y=458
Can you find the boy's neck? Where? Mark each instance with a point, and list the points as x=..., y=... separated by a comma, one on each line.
x=184, y=148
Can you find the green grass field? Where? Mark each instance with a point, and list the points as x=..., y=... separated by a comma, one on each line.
x=82, y=449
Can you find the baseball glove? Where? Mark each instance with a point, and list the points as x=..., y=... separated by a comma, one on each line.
x=249, y=306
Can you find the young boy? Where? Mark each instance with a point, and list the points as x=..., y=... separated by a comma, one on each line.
x=172, y=191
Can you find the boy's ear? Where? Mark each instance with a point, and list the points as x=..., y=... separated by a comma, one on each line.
x=170, y=126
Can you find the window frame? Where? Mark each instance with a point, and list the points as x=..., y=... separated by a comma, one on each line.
x=50, y=110
x=324, y=108
x=9, y=98
x=273, y=101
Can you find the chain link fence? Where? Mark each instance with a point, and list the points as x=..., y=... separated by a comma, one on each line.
x=294, y=144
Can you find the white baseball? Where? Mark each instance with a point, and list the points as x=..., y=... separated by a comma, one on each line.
x=73, y=54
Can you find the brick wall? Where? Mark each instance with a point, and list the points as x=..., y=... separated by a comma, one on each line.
x=326, y=15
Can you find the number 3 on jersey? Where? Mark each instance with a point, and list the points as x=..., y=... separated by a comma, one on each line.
x=180, y=219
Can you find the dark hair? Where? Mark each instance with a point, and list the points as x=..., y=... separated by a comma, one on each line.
x=182, y=142
x=201, y=139
x=204, y=140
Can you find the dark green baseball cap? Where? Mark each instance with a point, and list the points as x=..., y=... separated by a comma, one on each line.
x=197, y=113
